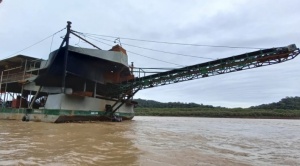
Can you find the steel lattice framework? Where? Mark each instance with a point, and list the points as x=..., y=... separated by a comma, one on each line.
x=217, y=67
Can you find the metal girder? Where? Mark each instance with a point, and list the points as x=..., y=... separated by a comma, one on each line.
x=221, y=66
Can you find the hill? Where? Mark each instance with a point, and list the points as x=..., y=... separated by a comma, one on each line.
x=155, y=104
x=288, y=107
x=287, y=103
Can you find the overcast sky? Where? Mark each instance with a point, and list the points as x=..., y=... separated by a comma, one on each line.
x=248, y=23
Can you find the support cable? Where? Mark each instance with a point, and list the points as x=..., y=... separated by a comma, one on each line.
x=51, y=43
x=172, y=43
x=155, y=50
x=138, y=53
x=34, y=44
x=84, y=40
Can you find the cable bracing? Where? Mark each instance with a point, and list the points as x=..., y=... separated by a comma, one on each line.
x=173, y=43
x=36, y=43
x=136, y=53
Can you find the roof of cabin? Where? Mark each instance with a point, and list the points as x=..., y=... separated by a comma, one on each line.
x=15, y=61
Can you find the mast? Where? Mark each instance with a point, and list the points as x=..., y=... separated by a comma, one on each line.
x=66, y=39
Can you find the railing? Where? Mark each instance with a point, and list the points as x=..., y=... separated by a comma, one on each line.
x=15, y=77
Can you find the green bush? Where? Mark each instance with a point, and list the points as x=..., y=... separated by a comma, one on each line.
x=218, y=112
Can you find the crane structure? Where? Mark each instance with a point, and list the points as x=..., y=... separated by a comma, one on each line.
x=216, y=67
x=231, y=64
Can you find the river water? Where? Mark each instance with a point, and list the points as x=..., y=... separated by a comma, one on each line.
x=152, y=141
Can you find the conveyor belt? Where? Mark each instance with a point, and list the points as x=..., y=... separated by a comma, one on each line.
x=221, y=66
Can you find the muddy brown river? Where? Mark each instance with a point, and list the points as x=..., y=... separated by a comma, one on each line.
x=152, y=141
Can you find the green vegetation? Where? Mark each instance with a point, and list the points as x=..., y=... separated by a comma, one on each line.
x=286, y=108
x=155, y=104
x=288, y=103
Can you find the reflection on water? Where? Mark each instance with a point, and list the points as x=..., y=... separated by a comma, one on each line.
x=152, y=141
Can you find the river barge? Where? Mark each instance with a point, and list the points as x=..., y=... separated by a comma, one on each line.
x=82, y=84
x=31, y=88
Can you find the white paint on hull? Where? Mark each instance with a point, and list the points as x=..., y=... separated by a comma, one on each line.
x=71, y=102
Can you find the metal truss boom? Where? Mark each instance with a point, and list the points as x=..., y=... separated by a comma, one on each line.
x=217, y=67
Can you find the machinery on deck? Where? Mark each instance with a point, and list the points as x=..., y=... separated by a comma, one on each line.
x=80, y=84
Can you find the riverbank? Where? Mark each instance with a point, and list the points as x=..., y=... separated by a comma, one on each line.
x=219, y=112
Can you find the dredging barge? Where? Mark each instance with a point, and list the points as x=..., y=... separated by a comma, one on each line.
x=82, y=84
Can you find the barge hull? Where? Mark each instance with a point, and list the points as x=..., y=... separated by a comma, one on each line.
x=58, y=116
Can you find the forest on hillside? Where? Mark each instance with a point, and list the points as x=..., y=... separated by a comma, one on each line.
x=288, y=103
x=155, y=104
x=291, y=103
x=288, y=107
